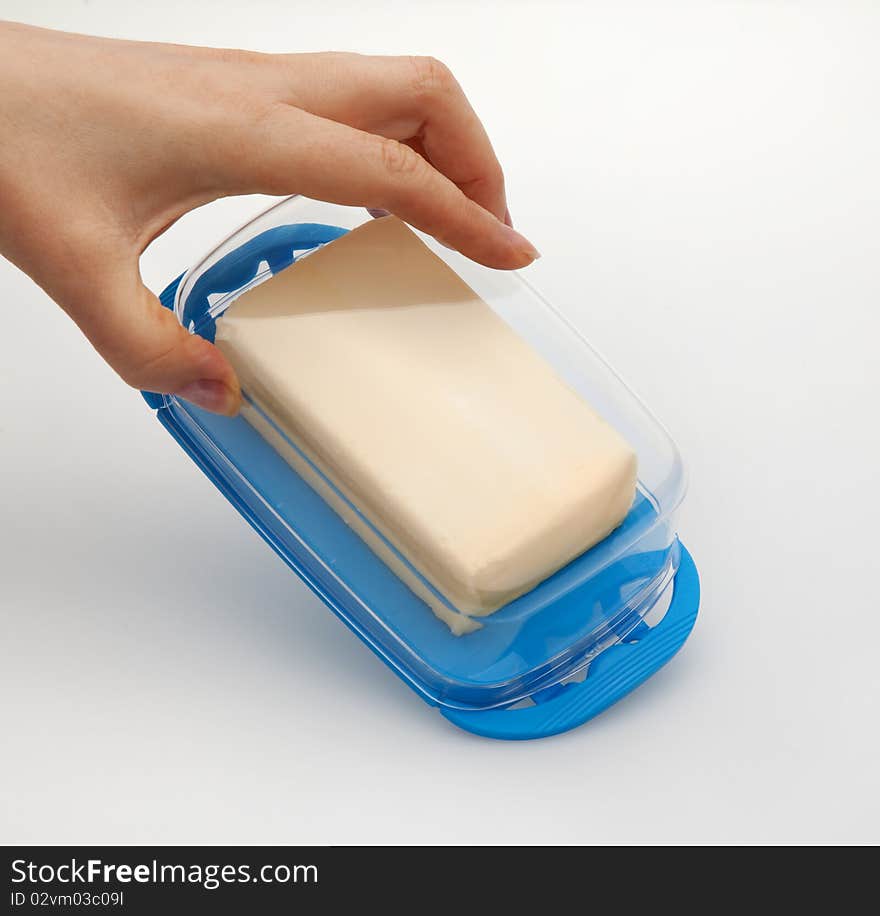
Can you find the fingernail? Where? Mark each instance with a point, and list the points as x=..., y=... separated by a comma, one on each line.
x=522, y=244
x=209, y=394
x=507, y=220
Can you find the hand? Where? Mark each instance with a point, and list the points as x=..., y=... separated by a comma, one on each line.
x=106, y=143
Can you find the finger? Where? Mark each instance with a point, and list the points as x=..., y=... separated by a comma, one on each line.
x=148, y=348
x=402, y=98
x=295, y=152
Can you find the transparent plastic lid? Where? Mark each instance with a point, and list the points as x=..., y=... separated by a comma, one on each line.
x=530, y=644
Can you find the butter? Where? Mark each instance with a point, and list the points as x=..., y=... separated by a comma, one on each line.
x=472, y=466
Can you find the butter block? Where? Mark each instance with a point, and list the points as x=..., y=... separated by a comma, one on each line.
x=432, y=428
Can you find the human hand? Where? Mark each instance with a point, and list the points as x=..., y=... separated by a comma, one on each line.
x=106, y=143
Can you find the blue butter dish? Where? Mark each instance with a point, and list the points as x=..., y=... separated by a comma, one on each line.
x=548, y=660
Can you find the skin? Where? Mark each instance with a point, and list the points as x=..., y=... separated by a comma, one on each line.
x=107, y=143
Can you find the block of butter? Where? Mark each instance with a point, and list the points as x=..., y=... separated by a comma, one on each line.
x=430, y=426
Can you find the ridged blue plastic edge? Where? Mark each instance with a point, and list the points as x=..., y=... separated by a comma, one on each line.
x=613, y=674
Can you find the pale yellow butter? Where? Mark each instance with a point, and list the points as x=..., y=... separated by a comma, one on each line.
x=448, y=432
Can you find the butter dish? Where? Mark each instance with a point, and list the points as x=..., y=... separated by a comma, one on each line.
x=390, y=386
x=544, y=661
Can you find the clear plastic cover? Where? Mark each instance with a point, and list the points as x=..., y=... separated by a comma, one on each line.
x=535, y=641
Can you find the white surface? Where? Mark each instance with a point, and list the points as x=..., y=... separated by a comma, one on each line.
x=702, y=179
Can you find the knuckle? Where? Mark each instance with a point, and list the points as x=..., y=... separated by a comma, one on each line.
x=135, y=373
x=431, y=77
x=144, y=371
x=154, y=359
x=398, y=159
x=135, y=378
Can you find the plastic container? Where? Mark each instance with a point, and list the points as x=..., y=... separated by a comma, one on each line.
x=548, y=660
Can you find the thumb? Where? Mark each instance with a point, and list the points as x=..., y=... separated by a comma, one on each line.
x=146, y=345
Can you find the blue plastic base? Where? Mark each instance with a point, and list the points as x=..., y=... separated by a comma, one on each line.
x=611, y=676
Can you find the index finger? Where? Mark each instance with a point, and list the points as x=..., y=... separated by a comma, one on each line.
x=402, y=98
x=292, y=152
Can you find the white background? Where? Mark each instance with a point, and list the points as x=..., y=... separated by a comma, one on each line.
x=703, y=181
